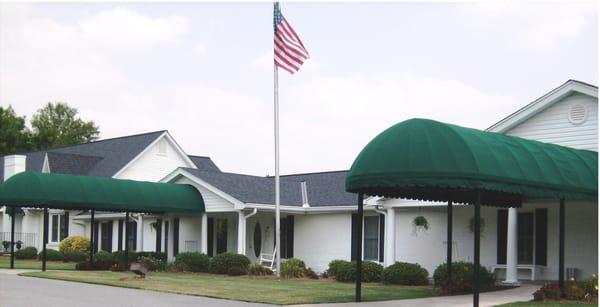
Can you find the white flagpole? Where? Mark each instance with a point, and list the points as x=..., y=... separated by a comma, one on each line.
x=277, y=221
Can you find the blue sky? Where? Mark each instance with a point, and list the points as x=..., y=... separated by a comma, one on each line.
x=204, y=70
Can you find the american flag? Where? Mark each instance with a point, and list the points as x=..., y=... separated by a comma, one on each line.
x=290, y=53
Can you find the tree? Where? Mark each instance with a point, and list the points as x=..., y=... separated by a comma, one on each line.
x=57, y=124
x=14, y=135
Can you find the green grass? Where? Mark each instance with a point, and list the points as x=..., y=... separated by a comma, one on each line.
x=545, y=304
x=35, y=264
x=244, y=288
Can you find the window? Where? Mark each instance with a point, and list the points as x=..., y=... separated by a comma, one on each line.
x=59, y=228
x=371, y=238
x=132, y=235
x=525, y=238
x=532, y=236
x=55, y=220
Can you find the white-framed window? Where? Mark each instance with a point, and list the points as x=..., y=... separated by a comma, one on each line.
x=58, y=227
x=371, y=238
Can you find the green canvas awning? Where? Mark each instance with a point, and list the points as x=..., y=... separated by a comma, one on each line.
x=429, y=160
x=49, y=190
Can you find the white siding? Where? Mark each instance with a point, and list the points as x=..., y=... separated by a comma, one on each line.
x=212, y=201
x=190, y=233
x=153, y=165
x=267, y=234
x=553, y=126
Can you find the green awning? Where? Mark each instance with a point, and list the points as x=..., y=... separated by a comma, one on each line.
x=71, y=192
x=429, y=160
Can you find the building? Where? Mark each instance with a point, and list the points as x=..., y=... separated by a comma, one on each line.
x=317, y=219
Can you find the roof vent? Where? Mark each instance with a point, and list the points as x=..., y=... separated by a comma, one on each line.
x=304, y=194
x=577, y=114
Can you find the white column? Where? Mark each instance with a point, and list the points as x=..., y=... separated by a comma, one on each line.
x=390, y=237
x=204, y=235
x=511, y=247
x=6, y=221
x=171, y=239
x=241, y=240
x=140, y=233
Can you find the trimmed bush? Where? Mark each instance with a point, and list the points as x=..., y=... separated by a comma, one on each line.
x=371, y=271
x=462, y=278
x=153, y=264
x=74, y=244
x=26, y=253
x=403, y=273
x=311, y=274
x=222, y=263
x=192, y=262
x=52, y=255
x=293, y=268
x=256, y=269
x=86, y=266
x=120, y=256
x=334, y=265
x=156, y=255
x=574, y=293
x=103, y=257
x=76, y=256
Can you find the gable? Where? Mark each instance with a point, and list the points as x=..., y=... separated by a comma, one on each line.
x=212, y=201
x=157, y=161
x=571, y=121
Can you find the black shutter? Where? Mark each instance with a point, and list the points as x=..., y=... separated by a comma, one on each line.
x=96, y=230
x=502, y=236
x=133, y=233
x=210, y=233
x=120, y=238
x=541, y=236
x=381, y=236
x=167, y=239
x=110, y=236
x=66, y=232
x=158, y=235
x=354, y=237
x=290, y=236
x=175, y=236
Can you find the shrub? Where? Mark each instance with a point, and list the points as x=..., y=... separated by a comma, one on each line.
x=462, y=278
x=74, y=244
x=256, y=269
x=26, y=253
x=76, y=256
x=403, y=273
x=172, y=267
x=590, y=286
x=293, y=267
x=371, y=271
x=120, y=256
x=222, y=263
x=153, y=264
x=552, y=291
x=192, y=262
x=86, y=266
x=539, y=295
x=103, y=257
x=574, y=293
x=6, y=245
x=236, y=271
x=334, y=265
x=156, y=255
x=52, y=255
x=311, y=274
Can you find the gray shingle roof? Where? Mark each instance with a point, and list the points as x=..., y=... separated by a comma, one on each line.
x=324, y=189
x=204, y=163
x=110, y=155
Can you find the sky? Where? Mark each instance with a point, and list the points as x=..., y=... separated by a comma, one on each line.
x=204, y=71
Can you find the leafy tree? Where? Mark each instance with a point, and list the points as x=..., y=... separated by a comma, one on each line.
x=57, y=124
x=14, y=135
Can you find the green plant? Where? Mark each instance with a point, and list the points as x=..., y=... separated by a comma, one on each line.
x=153, y=264
x=172, y=267
x=590, y=286
x=403, y=273
x=157, y=255
x=539, y=295
x=371, y=271
x=421, y=221
x=75, y=256
x=256, y=269
x=334, y=266
x=192, y=262
x=574, y=293
x=86, y=266
x=472, y=224
x=552, y=291
x=293, y=268
x=26, y=253
x=222, y=263
x=121, y=256
x=74, y=244
x=52, y=255
x=462, y=278
x=6, y=244
x=103, y=257
x=311, y=274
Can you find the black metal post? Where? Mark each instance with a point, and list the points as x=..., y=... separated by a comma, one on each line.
x=358, y=245
x=449, y=244
x=126, y=240
x=92, y=232
x=476, y=250
x=12, y=236
x=561, y=246
x=45, y=240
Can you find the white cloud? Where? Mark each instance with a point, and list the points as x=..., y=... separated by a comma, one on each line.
x=200, y=48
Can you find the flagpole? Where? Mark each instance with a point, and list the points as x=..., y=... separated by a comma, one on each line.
x=277, y=200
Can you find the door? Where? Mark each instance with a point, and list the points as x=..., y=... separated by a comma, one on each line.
x=106, y=236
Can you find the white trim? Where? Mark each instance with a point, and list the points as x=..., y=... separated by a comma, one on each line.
x=542, y=103
x=46, y=165
x=160, y=137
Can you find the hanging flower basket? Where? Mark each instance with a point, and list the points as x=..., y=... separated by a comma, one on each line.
x=421, y=222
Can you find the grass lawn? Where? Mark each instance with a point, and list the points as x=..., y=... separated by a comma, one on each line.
x=244, y=288
x=543, y=304
x=35, y=264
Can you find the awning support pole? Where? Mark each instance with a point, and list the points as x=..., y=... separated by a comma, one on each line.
x=12, y=236
x=92, y=232
x=449, y=245
x=561, y=246
x=126, y=240
x=476, y=250
x=45, y=240
x=359, y=249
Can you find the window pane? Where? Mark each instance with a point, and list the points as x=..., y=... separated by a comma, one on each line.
x=54, y=231
x=63, y=227
x=525, y=238
x=131, y=240
x=371, y=238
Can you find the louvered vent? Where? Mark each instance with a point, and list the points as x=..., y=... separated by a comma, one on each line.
x=577, y=114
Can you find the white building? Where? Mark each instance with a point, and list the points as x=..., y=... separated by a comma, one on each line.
x=317, y=213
